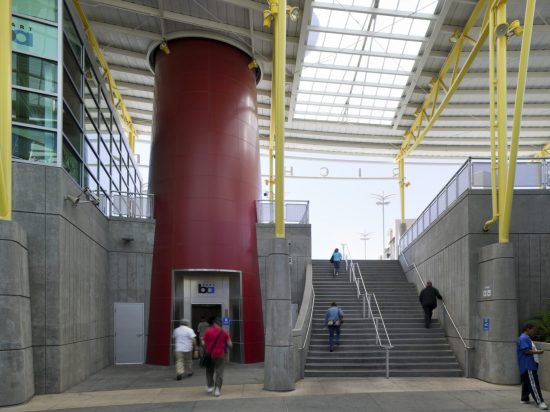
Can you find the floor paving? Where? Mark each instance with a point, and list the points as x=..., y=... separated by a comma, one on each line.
x=147, y=388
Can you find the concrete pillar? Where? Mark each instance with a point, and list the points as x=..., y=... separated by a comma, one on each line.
x=497, y=324
x=16, y=358
x=279, y=368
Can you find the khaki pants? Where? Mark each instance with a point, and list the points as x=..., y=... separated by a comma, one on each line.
x=214, y=373
x=184, y=363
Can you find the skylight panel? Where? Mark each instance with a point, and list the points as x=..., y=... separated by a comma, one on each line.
x=401, y=26
x=363, y=84
x=412, y=48
x=419, y=27
x=427, y=6
x=408, y=5
x=332, y=40
x=338, y=19
x=332, y=88
x=349, y=75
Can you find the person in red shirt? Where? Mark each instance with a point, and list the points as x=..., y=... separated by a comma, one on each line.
x=215, y=342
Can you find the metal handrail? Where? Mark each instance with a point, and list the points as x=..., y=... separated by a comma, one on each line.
x=310, y=321
x=367, y=303
x=466, y=347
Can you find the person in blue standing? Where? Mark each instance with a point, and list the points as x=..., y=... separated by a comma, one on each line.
x=335, y=259
x=528, y=361
x=333, y=321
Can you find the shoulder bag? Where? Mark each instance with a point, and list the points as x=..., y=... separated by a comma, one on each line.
x=206, y=360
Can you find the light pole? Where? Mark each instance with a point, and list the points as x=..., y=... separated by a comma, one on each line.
x=381, y=201
x=364, y=237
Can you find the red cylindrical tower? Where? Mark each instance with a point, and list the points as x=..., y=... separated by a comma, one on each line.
x=204, y=175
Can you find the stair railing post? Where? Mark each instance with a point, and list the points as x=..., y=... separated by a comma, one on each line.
x=364, y=305
x=370, y=309
x=466, y=363
x=387, y=363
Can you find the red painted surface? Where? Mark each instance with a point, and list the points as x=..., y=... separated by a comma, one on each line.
x=204, y=174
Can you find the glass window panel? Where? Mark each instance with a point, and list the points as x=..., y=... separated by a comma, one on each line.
x=115, y=178
x=34, y=38
x=71, y=163
x=117, y=136
x=43, y=9
x=105, y=111
x=34, y=73
x=72, y=35
x=72, y=131
x=91, y=105
x=71, y=97
x=90, y=77
x=104, y=154
x=90, y=181
x=33, y=108
x=104, y=180
x=91, y=132
x=72, y=67
x=90, y=159
x=34, y=145
x=115, y=154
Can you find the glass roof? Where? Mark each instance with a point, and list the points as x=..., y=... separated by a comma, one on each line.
x=359, y=57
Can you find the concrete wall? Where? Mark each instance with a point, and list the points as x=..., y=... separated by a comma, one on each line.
x=130, y=264
x=16, y=365
x=447, y=254
x=544, y=365
x=299, y=239
x=78, y=266
x=301, y=334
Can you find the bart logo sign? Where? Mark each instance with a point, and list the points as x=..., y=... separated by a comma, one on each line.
x=22, y=35
x=207, y=288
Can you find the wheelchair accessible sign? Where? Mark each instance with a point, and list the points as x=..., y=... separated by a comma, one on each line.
x=226, y=321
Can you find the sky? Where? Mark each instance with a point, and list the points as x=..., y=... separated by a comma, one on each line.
x=342, y=209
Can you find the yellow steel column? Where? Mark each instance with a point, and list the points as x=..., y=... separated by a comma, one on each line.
x=520, y=92
x=272, y=145
x=278, y=10
x=494, y=195
x=5, y=110
x=401, y=163
x=502, y=38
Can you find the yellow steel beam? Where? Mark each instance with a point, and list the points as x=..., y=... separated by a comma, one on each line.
x=116, y=97
x=502, y=105
x=504, y=233
x=418, y=130
x=401, y=165
x=277, y=12
x=272, y=146
x=494, y=192
x=544, y=152
x=5, y=111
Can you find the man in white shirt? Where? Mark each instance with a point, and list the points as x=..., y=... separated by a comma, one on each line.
x=184, y=338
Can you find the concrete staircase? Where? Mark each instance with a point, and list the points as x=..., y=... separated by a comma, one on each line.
x=417, y=351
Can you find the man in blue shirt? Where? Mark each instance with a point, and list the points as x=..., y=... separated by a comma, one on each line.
x=333, y=320
x=528, y=364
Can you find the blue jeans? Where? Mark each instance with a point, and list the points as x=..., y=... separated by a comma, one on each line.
x=332, y=330
x=336, y=264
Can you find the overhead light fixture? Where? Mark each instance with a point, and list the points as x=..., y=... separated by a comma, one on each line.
x=88, y=195
x=293, y=13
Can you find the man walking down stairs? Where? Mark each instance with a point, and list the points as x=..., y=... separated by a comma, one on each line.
x=416, y=351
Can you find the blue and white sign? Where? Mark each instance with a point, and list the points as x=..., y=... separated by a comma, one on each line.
x=486, y=324
x=226, y=320
x=207, y=288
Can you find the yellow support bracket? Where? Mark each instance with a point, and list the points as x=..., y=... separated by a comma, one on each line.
x=5, y=112
x=432, y=98
x=113, y=89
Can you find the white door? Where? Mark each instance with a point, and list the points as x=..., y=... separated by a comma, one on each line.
x=129, y=334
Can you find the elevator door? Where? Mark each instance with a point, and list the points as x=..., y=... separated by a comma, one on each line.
x=129, y=336
x=206, y=310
